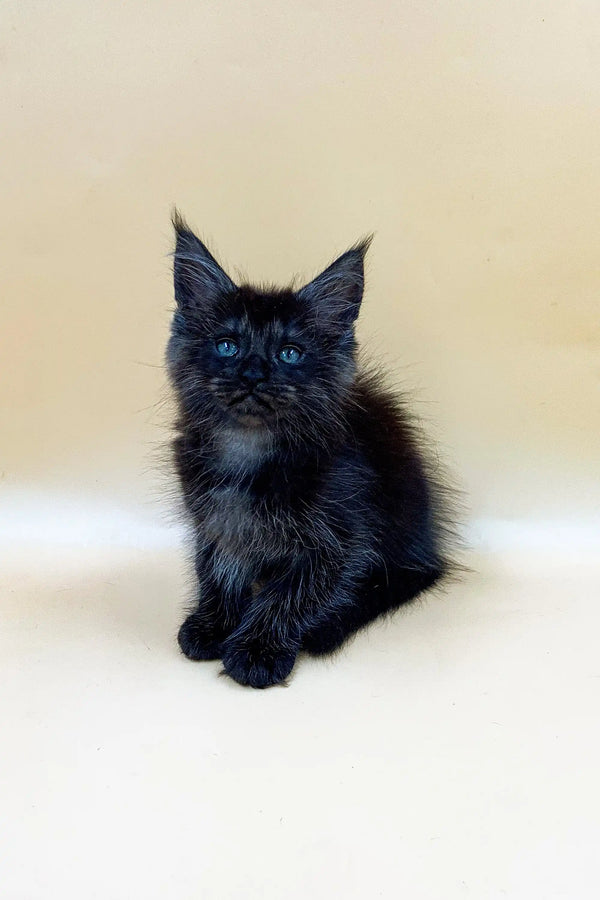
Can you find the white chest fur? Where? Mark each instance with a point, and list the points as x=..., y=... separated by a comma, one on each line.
x=242, y=450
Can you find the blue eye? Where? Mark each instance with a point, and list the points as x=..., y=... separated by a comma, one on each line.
x=226, y=347
x=290, y=354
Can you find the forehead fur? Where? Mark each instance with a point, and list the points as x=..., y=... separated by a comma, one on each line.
x=262, y=308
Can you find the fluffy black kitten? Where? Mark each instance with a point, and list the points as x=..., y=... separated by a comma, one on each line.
x=312, y=510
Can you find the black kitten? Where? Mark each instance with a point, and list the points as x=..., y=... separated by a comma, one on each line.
x=312, y=510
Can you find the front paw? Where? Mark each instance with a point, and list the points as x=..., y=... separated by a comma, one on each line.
x=256, y=664
x=199, y=640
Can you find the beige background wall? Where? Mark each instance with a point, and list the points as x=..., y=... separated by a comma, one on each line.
x=466, y=135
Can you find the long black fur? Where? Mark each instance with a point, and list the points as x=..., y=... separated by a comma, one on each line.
x=312, y=509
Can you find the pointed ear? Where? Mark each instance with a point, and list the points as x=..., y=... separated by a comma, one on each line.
x=336, y=294
x=199, y=279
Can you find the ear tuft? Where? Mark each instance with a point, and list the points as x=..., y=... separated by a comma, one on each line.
x=336, y=294
x=198, y=277
x=362, y=245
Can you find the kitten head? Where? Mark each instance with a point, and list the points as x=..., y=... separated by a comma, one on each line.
x=258, y=358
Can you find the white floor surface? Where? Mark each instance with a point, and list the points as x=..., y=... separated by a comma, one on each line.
x=450, y=753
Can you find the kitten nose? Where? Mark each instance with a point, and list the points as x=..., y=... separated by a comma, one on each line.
x=254, y=370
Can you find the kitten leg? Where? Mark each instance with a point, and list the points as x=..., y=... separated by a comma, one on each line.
x=262, y=651
x=303, y=610
x=202, y=634
x=349, y=611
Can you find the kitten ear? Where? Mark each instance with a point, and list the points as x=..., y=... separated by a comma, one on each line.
x=199, y=279
x=336, y=294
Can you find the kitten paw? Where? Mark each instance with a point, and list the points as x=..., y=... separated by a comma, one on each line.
x=197, y=641
x=258, y=666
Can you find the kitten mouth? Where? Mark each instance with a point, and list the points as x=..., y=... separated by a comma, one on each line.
x=250, y=401
x=250, y=410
